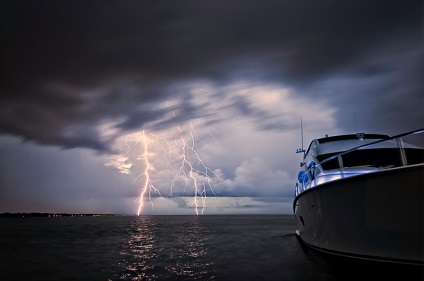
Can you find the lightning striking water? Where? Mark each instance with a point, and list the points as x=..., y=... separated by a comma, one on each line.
x=148, y=185
x=182, y=159
x=203, y=171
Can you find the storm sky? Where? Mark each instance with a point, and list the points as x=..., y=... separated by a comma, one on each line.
x=81, y=80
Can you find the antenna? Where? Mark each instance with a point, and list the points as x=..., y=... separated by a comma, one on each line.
x=300, y=150
x=359, y=135
x=301, y=130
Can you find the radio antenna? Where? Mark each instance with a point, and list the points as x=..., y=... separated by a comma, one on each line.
x=300, y=150
x=301, y=130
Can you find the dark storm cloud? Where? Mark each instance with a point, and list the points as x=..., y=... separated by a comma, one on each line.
x=67, y=66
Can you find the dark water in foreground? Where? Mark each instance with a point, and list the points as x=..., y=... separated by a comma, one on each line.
x=230, y=247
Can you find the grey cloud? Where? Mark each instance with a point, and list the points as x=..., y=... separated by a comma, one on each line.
x=192, y=39
x=181, y=203
x=148, y=45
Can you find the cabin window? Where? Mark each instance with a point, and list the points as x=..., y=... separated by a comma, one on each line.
x=310, y=146
x=380, y=158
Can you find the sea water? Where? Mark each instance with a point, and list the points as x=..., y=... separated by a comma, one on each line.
x=227, y=247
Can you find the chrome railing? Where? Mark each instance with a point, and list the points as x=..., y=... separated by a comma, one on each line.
x=306, y=179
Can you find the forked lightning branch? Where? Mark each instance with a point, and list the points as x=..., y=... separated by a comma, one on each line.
x=180, y=158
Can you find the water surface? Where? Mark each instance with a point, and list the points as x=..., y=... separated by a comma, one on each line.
x=231, y=247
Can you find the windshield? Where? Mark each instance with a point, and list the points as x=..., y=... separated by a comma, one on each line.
x=379, y=157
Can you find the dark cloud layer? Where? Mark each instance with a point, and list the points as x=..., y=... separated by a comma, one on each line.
x=68, y=66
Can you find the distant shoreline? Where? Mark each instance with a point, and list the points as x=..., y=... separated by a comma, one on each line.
x=14, y=215
x=35, y=215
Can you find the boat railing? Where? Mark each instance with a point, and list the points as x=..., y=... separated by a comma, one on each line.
x=307, y=180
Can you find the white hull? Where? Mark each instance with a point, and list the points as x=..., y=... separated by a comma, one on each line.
x=378, y=215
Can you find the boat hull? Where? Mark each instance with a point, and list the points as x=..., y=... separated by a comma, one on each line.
x=372, y=216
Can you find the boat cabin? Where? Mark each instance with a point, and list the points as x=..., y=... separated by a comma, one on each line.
x=335, y=157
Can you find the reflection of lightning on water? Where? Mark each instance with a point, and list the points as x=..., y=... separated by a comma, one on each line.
x=190, y=168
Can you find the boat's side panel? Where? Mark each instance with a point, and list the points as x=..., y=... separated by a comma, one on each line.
x=374, y=215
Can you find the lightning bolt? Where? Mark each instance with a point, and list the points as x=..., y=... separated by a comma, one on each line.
x=202, y=170
x=182, y=158
x=148, y=185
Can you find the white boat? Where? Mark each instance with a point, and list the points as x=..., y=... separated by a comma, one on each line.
x=361, y=196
